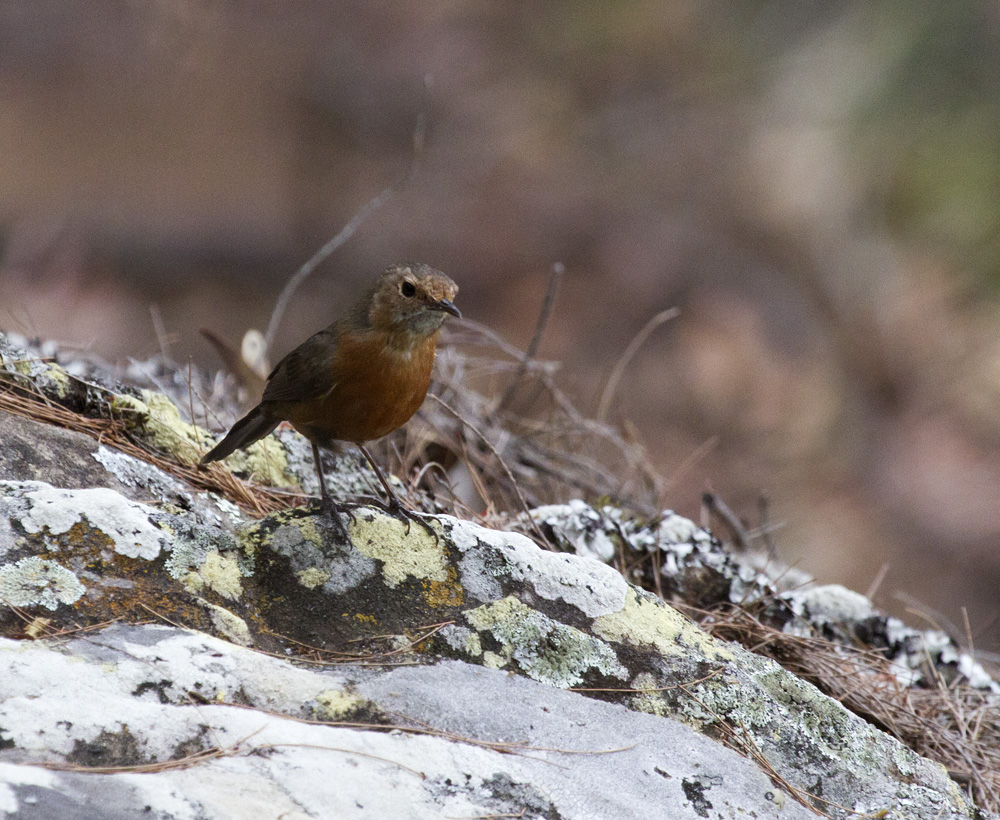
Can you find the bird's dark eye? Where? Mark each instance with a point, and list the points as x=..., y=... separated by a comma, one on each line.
x=408, y=289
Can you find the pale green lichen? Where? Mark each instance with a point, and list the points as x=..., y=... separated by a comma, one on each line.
x=35, y=581
x=164, y=426
x=647, y=621
x=826, y=721
x=336, y=704
x=197, y=561
x=462, y=639
x=219, y=573
x=727, y=696
x=312, y=577
x=228, y=507
x=51, y=377
x=905, y=760
x=414, y=554
x=59, y=378
x=232, y=626
x=544, y=649
x=817, y=728
x=652, y=701
x=300, y=538
x=264, y=462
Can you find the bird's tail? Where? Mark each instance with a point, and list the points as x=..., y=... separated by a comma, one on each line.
x=252, y=427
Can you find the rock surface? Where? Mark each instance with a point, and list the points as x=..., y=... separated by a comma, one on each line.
x=489, y=743
x=416, y=671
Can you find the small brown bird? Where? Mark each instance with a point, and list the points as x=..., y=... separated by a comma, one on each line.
x=359, y=379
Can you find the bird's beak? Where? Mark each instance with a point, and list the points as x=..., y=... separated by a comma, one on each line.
x=447, y=306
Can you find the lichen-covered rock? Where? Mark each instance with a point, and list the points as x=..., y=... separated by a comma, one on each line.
x=560, y=620
x=89, y=556
x=490, y=631
x=695, y=568
x=279, y=739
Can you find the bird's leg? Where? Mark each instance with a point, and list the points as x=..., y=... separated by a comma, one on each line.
x=327, y=504
x=395, y=506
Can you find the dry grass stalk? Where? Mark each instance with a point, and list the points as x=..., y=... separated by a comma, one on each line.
x=144, y=768
x=521, y=443
x=24, y=400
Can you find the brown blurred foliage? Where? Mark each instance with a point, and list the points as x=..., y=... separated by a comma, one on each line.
x=812, y=184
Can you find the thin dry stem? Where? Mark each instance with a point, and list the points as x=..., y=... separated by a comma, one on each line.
x=619, y=369
x=356, y=221
x=543, y=319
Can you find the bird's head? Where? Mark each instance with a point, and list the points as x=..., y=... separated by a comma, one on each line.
x=412, y=301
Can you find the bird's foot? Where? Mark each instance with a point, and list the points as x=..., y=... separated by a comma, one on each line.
x=397, y=510
x=394, y=508
x=332, y=510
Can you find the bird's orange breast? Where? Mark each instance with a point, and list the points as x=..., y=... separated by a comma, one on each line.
x=376, y=387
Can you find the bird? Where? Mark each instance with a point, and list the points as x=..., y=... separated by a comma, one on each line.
x=359, y=379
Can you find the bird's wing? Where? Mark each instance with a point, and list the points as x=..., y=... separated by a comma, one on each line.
x=305, y=373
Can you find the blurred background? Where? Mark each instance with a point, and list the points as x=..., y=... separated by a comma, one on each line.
x=813, y=184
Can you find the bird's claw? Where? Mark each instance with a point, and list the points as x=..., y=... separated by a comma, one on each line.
x=332, y=510
x=395, y=509
x=399, y=511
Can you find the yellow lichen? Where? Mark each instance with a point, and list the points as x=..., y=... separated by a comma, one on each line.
x=262, y=533
x=644, y=621
x=219, y=573
x=313, y=577
x=544, y=649
x=233, y=627
x=651, y=702
x=444, y=593
x=507, y=611
x=37, y=628
x=60, y=378
x=473, y=645
x=265, y=462
x=414, y=554
x=336, y=704
x=165, y=427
